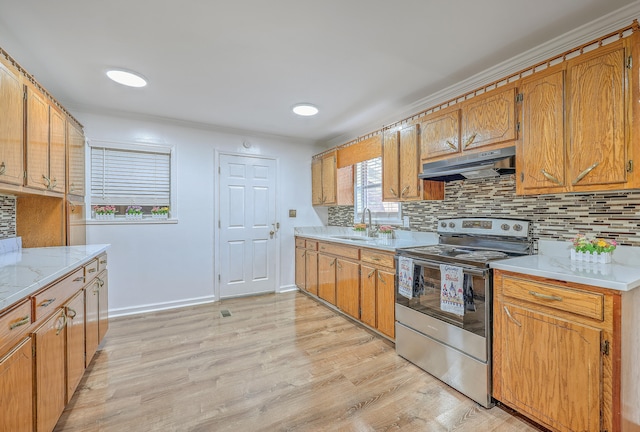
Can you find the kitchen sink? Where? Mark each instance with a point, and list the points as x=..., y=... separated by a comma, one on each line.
x=355, y=238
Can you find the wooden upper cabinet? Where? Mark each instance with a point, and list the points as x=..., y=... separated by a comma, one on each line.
x=440, y=134
x=330, y=185
x=329, y=179
x=75, y=160
x=57, y=150
x=597, y=119
x=540, y=149
x=11, y=124
x=316, y=181
x=391, y=165
x=489, y=119
x=37, y=144
x=409, y=163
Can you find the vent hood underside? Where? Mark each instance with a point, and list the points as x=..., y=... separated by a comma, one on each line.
x=472, y=166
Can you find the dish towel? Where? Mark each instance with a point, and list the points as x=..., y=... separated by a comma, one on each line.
x=405, y=277
x=451, y=289
x=468, y=294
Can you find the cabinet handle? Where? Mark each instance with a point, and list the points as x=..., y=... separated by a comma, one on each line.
x=103, y=261
x=393, y=192
x=339, y=266
x=452, y=145
x=91, y=270
x=54, y=184
x=404, y=190
x=545, y=296
x=375, y=259
x=72, y=313
x=332, y=263
x=47, y=181
x=371, y=274
x=3, y=168
x=79, y=278
x=63, y=325
x=47, y=302
x=585, y=172
x=100, y=283
x=512, y=318
x=551, y=177
x=470, y=140
x=20, y=322
x=381, y=278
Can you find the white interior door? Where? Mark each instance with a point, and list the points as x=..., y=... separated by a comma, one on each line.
x=247, y=247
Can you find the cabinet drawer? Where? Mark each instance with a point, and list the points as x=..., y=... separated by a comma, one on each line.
x=102, y=262
x=311, y=244
x=336, y=249
x=588, y=304
x=377, y=258
x=15, y=322
x=300, y=242
x=53, y=297
x=90, y=270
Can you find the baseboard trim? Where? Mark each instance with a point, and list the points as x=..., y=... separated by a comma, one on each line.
x=155, y=307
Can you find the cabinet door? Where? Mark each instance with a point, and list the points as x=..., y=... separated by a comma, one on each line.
x=327, y=278
x=348, y=287
x=300, y=268
x=103, y=304
x=57, y=150
x=311, y=275
x=92, y=298
x=390, y=166
x=37, y=140
x=11, y=125
x=551, y=368
x=440, y=135
x=329, y=180
x=541, y=149
x=16, y=380
x=597, y=119
x=489, y=119
x=316, y=181
x=385, y=302
x=368, y=295
x=409, y=163
x=50, y=371
x=75, y=160
x=75, y=343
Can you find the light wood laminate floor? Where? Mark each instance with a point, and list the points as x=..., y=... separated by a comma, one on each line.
x=279, y=362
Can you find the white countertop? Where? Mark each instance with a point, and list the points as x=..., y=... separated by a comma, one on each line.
x=25, y=271
x=403, y=238
x=553, y=261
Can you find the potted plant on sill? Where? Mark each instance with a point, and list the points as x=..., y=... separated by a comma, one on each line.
x=133, y=212
x=160, y=212
x=106, y=212
x=386, y=232
x=592, y=250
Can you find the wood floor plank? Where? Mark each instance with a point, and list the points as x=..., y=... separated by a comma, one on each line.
x=278, y=363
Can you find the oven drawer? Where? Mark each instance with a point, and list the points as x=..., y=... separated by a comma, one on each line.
x=587, y=304
x=343, y=251
x=377, y=258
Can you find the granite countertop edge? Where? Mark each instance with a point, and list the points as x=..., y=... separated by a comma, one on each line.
x=403, y=238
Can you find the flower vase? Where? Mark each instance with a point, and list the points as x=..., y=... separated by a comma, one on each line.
x=134, y=216
x=105, y=216
x=159, y=215
x=603, y=257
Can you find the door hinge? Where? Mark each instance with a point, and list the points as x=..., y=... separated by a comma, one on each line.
x=218, y=277
x=24, y=175
x=604, y=348
x=518, y=127
x=629, y=62
x=24, y=94
x=521, y=177
x=219, y=225
x=519, y=97
x=630, y=166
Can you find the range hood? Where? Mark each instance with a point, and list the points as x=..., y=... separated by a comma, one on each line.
x=471, y=166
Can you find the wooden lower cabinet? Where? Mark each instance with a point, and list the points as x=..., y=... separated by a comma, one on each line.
x=300, y=267
x=368, y=295
x=50, y=377
x=327, y=278
x=75, y=342
x=311, y=273
x=348, y=287
x=377, y=293
x=555, y=352
x=16, y=388
x=103, y=305
x=96, y=321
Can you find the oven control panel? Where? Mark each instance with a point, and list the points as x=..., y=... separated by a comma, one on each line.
x=485, y=226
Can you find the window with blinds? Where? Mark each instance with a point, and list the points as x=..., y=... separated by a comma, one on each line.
x=368, y=194
x=128, y=177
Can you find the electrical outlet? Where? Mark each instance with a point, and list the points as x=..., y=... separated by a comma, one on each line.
x=405, y=221
x=292, y=213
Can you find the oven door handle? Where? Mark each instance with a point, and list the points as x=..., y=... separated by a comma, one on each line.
x=436, y=266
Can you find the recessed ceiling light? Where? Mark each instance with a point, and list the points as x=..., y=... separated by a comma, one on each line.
x=127, y=78
x=305, y=109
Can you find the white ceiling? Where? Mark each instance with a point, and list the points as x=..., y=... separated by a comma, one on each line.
x=242, y=64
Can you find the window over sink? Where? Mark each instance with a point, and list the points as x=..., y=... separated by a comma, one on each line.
x=368, y=194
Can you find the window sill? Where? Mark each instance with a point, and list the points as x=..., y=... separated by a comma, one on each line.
x=124, y=221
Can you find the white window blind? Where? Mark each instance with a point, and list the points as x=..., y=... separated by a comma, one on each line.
x=128, y=177
x=368, y=194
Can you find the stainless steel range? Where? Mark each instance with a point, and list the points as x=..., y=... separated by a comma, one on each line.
x=444, y=297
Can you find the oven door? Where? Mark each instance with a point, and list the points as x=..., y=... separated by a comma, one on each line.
x=426, y=297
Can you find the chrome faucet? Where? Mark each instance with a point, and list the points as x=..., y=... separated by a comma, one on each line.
x=369, y=231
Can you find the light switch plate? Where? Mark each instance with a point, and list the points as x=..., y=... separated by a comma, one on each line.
x=292, y=213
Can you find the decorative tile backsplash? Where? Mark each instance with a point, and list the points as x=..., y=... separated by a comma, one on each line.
x=7, y=216
x=612, y=215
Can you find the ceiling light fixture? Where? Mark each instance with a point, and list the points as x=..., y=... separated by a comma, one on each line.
x=305, y=109
x=126, y=78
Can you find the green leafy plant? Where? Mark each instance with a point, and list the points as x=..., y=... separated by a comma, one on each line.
x=582, y=243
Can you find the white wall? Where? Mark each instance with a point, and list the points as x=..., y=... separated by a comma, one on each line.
x=155, y=266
